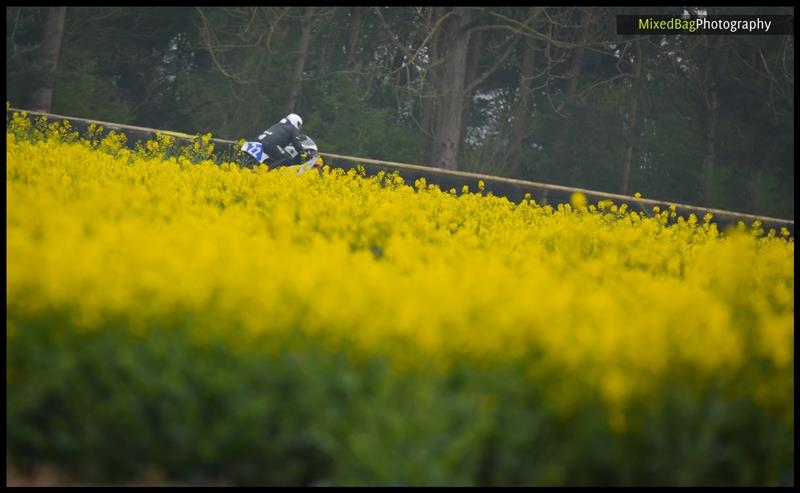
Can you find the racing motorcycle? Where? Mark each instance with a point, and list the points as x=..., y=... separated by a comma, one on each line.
x=253, y=155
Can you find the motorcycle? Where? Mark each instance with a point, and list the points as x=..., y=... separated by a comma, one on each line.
x=253, y=155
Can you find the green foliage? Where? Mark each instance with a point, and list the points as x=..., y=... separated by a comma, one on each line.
x=670, y=146
x=108, y=405
x=82, y=91
x=344, y=122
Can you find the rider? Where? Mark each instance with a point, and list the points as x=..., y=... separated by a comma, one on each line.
x=278, y=136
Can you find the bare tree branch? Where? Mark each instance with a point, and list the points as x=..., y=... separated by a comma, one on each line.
x=209, y=38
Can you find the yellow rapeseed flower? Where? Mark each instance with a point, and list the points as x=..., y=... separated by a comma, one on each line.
x=615, y=303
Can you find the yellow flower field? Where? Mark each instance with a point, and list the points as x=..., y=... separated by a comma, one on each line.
x=368, y=266
x=611, y=300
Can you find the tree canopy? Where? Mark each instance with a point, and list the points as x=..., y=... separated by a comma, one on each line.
x=551, y=94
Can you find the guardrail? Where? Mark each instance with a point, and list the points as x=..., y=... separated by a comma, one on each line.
x=511, y=188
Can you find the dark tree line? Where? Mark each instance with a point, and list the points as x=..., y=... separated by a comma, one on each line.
x=551, y=94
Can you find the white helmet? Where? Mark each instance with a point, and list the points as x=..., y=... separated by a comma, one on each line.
x=295, y=120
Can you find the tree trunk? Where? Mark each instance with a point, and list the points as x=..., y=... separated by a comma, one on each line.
x=709, y=152
x=632, y=120
x=427, y=119
x=430, y=83
x=449, y=118
x=476, y=42
x=571, y=86
x=42, y=97
x=521, y=108
x=576, y=63
x=473, y=63
x=748, y=164
x=711, y=74
x=307, y=25
x=355, y=32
